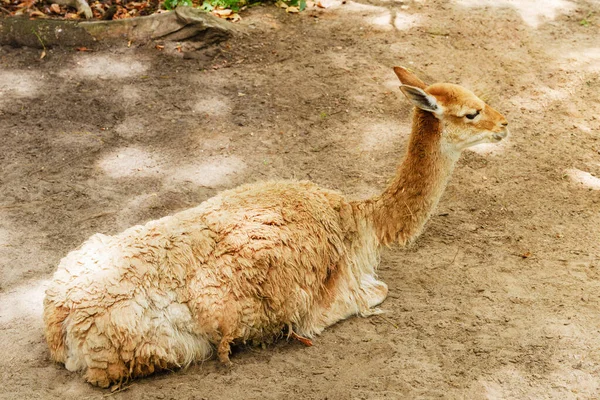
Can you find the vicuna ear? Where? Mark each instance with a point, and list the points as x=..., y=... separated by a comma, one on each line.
x=421, y=99
x=408, y=78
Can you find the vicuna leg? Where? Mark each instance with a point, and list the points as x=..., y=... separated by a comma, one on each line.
x=347, y=297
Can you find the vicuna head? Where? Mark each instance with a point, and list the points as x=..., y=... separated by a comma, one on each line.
x=466, y=120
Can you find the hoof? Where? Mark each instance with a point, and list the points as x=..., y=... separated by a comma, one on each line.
x=97, y=377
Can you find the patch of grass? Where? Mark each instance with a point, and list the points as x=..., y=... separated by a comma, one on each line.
x=301, y=4
x=172, y=4
x=586, y=21
x=233, y=5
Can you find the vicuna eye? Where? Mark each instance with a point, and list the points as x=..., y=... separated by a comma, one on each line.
x=472, y=116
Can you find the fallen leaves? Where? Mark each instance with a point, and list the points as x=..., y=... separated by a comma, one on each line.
x=100, y=9
x=36, y=13
x=122, y=9
x=226, y=13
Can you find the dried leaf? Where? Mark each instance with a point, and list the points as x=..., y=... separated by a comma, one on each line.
x=36, y=13
x=293, y=10
x=159, y=47
x=43, y=54
x=55, y=8
x=83, y=49
x=324, y=3
x=26, y=4
x=234, y=17
x=222, y=13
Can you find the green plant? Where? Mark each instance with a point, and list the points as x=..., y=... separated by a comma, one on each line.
x=43, y=54
x=301, y=4
x=234, y=5
x=586, y=21
x=172, y=4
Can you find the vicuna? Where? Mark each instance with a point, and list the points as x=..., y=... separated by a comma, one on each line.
x=255, y=260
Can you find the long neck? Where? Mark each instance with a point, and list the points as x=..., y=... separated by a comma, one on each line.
x=401, y=211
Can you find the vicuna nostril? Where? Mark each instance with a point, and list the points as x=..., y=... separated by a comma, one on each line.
x=505, y=123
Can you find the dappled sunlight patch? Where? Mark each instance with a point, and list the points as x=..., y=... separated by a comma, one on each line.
x=584, y=178
x=215, y=143
x=393, y=85
x=18, y=84
x=216, y=171
x=4, y=238
x=587, y=59
x=130, y=94
x=377, y=17
x=584, y=127
x=212, y=107
x=142, y=202
x=539, y=98
x=404, y=21
x=106, y=66
x=378, y=136
x=510, y=382
x=525, y=103
x=533, y=12
x=23, y=301
x=586, y=385
x=134, y=127
x=136, y=209
x=339, y=60
x=137, y=163
x=361, y=7
x=381, y=20
x=130, y=161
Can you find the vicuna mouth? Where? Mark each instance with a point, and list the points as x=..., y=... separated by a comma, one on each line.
x=500, y=135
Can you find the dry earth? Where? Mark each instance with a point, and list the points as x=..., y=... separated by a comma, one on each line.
x=499, y=299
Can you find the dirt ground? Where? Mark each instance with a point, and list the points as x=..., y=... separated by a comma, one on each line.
x=498, y=299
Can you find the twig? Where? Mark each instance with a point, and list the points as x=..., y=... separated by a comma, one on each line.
x=388, y=321
x=104, y=214
x=454, y=259
x=119, y=390
x=37, y=35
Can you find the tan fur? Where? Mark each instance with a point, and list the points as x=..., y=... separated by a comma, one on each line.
x=246, y=264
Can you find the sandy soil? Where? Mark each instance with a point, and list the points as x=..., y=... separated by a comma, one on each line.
x=498, y=299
